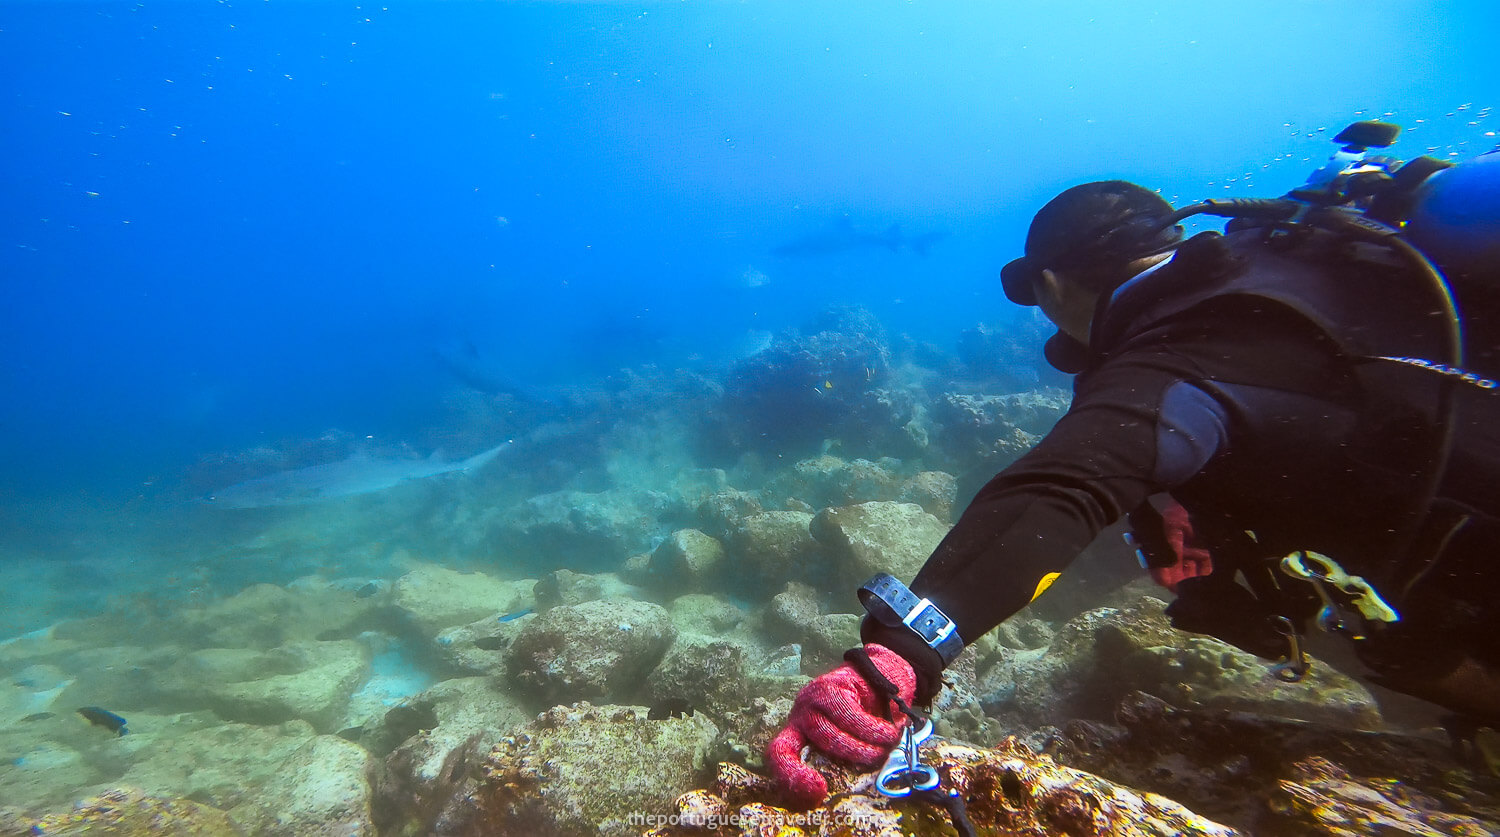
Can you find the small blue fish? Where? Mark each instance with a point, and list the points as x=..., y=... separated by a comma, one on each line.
x=514, y=615
x=104, y=718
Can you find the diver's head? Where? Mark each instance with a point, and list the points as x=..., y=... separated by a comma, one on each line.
x=1084, y=243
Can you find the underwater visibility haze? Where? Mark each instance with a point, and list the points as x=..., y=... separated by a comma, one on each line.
x=346, y=343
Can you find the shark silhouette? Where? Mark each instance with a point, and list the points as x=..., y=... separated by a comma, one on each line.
x=358, y=474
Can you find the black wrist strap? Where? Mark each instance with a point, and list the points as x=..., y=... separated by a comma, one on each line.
x=893, y=605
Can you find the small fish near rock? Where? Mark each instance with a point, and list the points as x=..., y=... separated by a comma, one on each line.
x=674, y=707
x=104, y=718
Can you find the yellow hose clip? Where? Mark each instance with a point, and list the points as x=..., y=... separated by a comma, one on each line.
x=1319, y=569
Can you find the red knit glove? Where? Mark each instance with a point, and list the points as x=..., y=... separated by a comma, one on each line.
x=1192, y=557
x=840, y=715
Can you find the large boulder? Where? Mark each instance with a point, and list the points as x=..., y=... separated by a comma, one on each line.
x=709, y=615
x=432, y=740
x=935, y=491
x=879, y=537
x=771, y=548
x=311, y=681
x=435, y=597
x=1270, y=775
x=588, y=770
x=565, y=587
x=687, y=560
x=321, y=788
x=827, y=480
x=265, y=615
x=1100, y=656
x=604, y=527
x=221, y=764
x=595, y=650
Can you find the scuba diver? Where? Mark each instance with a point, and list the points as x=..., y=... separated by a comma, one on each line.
x=1298, y=417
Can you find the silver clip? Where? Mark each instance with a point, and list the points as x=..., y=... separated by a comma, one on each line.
x=1296, y=665
x=904, y=771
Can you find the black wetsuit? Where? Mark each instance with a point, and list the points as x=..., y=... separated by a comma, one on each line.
x=1240, y=378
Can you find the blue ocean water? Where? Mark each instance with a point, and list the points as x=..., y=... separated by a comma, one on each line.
x=237, y=222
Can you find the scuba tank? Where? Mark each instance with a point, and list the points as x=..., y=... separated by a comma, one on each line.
x=1443, y=220
x=1455, y=219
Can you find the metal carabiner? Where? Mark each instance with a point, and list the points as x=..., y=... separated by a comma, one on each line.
x=1296, y=665
x=903, y=771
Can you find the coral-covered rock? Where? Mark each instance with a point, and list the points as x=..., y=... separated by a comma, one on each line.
x=879, y=537
x=322, y=788
x=437, y=737
x=687, y=559
x=436, y=597
x=1008, y=790
x=771, y=548
x=1269, y=775
x=565, y=587
x=606, y=526
x=1323, y=798
x=711, y=675
x=935, y=491
x=588, y=770
x=827, y=480
x=701, y=613
x=311, y=681
x=594, y=650
x=1101, y=655
x=127, y=813
x=801, y=389
x=991, y=430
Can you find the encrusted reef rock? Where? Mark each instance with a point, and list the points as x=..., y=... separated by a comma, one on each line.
x=770, y=548
x=877, y=537
x=1008, y=790
x=323, y=788
x=592, y=650
x=1099, y=656
x=994, y=430
x=719, y=676
x=800, y=389
x=1322, y=797
x=830, y=481
x=311, y=681
x=126, y=812
x=586, y=770
x=438, y=735
x=935, y=491
x=1270, y=775
x=687, y=560
x=435, y=597
x=608, y=525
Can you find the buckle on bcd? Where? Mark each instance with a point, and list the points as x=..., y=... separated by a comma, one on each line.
x=1328, y=578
